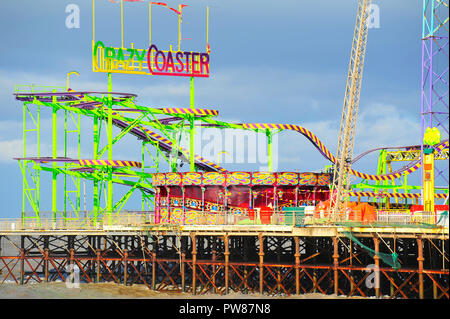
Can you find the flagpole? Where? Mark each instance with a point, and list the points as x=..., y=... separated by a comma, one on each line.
x=121, y=19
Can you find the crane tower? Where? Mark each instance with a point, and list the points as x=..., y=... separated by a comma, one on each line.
x=338, y=198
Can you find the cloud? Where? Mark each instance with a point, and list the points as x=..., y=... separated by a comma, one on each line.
x=10, y=149
x=11, y=140
x=382, y=125
x=250, y=93
x=378, y=125
x=260, y=93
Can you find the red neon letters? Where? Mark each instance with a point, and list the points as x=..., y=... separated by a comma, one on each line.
x=190, y=64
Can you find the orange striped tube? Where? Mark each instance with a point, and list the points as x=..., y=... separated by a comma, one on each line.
x=115, y=163
x=326, y=153
x=179, y=110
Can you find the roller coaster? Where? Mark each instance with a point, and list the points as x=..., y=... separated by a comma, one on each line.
x=156, y=127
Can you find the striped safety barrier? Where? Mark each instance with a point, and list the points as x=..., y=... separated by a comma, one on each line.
x=101, y=162
x=177, y=110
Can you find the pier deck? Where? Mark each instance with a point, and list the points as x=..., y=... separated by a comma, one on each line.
x=240, y=230
x=409, y=262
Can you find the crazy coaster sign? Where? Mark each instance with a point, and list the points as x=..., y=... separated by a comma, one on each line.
x=192, y=64
x=151, y=62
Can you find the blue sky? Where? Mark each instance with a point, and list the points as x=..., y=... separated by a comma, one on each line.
x=271, y=61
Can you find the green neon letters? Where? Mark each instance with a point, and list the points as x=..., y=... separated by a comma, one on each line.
x=112, y=53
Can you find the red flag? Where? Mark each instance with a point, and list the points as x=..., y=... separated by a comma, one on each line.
x=157, y=3
x=165, y=5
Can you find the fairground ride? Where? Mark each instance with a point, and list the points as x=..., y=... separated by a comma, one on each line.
x=160, y=131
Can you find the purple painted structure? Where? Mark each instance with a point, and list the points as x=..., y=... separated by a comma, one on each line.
x=435, y=77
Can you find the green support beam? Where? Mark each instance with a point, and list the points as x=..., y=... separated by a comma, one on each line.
x=54, y=155
x=191, y=128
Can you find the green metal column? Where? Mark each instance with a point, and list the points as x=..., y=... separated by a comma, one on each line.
x=78, y=185
x=143, y=165
x=74, y=189
x=174, y=152
x=192, y=129
x=22, y=167
x=95, y=207
x=65, y=164
x=55, y=155
x=269, y=149
x=381, y=169
x=30, y=191
x=38, y=173
x=109, y=129
x=405, y=187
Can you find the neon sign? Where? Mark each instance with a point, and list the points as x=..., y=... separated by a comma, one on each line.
x=151, y=61
x=185, y=64
x=132, y=61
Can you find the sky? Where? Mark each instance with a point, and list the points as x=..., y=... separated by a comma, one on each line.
x=271, y=62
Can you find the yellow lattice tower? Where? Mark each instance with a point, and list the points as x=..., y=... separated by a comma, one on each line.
x=431, y=137
x=341, y=182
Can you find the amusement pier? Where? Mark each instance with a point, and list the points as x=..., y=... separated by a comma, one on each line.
x=203, y=229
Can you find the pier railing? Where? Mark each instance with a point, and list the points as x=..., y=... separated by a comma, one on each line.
x=143, y=219
x=73, y=222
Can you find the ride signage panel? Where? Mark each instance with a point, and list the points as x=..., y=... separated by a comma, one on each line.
x=150, y=62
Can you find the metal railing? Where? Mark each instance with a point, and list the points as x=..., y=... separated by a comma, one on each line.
x=45, y=222
x=397, y=217
x=405, y=218
x=31, y=88
x=226, y=218
x=138, y=219
x=149, y=218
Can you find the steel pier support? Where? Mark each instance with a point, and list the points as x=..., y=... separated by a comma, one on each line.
x=256, y=263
